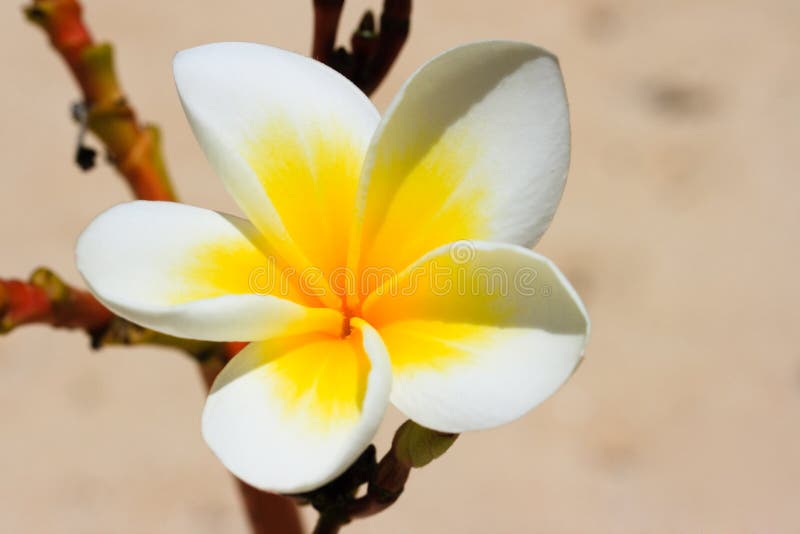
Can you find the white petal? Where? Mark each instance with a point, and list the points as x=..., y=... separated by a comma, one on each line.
x=475, y=146
x=287, y=135
x=289, y=415
x=192, y=273
x=478, y=335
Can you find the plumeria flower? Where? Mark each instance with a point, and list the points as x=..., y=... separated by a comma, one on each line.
x=382, y=259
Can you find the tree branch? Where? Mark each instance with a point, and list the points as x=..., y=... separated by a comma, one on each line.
x=134, y=149
x=373, y=52
x=395, y=25
x=46, y=299
x=326, y=23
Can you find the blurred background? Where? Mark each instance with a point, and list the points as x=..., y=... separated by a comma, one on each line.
x=678, y=227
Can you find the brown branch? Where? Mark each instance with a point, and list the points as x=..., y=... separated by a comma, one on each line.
x=134, y=149
x=46, y=299
x=270, y=513
x=373, y=52
x=326, y=24
x=395, y=25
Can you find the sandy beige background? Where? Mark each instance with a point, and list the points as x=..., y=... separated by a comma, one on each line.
x=678, y=227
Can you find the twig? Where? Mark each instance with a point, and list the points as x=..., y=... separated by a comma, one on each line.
x=46, y=299
x=326, y=22
x=395, y=25
x=373, y=52
x=134, y=149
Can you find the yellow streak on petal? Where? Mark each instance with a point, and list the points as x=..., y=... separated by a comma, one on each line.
x=420, y=344
x=234, y=267
x=430, y=197
x=322, y=379
x=217, y=269
x=311, y=177
x=437, y=289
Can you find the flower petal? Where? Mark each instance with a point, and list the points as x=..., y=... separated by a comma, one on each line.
x=475, y=146
x=290, y=414
x=193, y=273
x=478, y=335
x=288, y=137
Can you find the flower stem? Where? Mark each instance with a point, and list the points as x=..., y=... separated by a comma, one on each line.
x=413, y=446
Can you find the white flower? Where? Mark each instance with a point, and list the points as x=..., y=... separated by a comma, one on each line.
x=351, y=276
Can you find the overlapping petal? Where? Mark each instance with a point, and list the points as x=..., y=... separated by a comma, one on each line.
x=193, y=273
x=475, y=146
x=288, y=137
x=290, y=414
x=478, y=334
